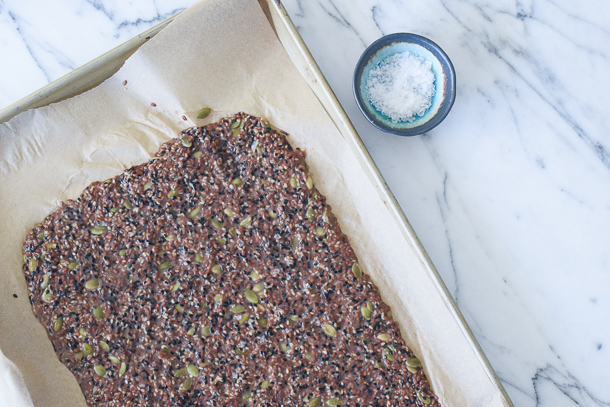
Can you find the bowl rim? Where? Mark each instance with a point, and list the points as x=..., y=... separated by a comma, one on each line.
x=448, y=70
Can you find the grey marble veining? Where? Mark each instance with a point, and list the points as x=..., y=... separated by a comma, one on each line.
x=510, y=195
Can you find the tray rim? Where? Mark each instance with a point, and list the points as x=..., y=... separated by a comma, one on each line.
x=345, y=127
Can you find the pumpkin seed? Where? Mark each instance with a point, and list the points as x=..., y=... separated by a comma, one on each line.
x=257, y=288
x=122, y=252
x=41, y=235
x=173, y=193
x=217, y=298
x=244, y=318
x=425, y=400
x=309, y=182
x=179, y=307
x=186, y=384
x=193, y=213
x=259, y=149
x=165, y=350
x=198, y=257
x=175, y=287
x=247, y=397
x=265, y=384
x=233, y=232
x=366, y=313
x=198, y=154
x=237, y=309
x=114, y=359
x=72, y=265
x=203, y=113
x=79, y=355
x=127, y=205
x=114, y=209
x=262, y=322
x=378, y=365
x=329, y=329
x=180, y=372
x=185, y=142
x=236, y=181
x=221, y=240
x=57, y=324
x=315, y=402
x=50, y=245
x=357, y=271
x=251, y=296
x=320, y=231
x=236, y=132
x=32, y=264
x=284, y=348
x=216, y=269
x=383, y=337
x=165, y=265
x=193, y=370
x=412, y=369
x=96, y=231
x=205, y=331
x=216, y=223
x=92, y=284
x=46, y=295
x=98, y=313
x=334, y=402
x=413, y=362
x=370, y=306
x=272, y=214
x=104, y=346
x=388, y=354
x=191, y=331
x=389, y=314
x=246, y=222
x=311, y=214
x=229, y=212
x=325, y=218
x=147, y=186
x=123, y=368
x=293, y=182
x=100, y=370
x=309, y=356
x=235, y=124
x=254, y=275
x=45, y=281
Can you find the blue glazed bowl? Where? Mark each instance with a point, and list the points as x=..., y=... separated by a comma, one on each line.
x=444, y=82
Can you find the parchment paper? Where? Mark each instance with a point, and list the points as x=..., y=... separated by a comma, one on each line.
x=221, y=54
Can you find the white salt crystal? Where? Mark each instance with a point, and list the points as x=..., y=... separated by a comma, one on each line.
x=401, y=86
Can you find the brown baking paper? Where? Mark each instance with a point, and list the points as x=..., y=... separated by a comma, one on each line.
x=222, y=54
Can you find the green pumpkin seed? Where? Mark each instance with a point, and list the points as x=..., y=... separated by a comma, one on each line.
x=334, y=402
x=191, y=331
x=265, y=384
x=229, y=212
x=114, y=359
x=329, y=330
x=247, y=397
x=41, y=235
x=123, y=368
x=216, y=223
x=58, y=323
x=251, y=296
x=254, y=275
x=357, y=271
x=235, y=124
x=185, y=142
x=257, y=288
x=50, y=245
x=88, y=349
x=388, y=354
x=198, y=257
x=165, y=350
x=237, y=309
x=383, y=337
x=389, y=314
x=96, y=231
x=309, y=182
x=173, y=193
x=315, y=402
x=193, y=370
x=45, y=281
x=217, y=298
x=72, y=265
x=216, y=269
x=175, y=287
x=32, y=264
x=272, y=214
x=311, y=214
x=147, y=186
x=366, y=313
x=205, y=331
x=127, y=205
x=180, y=372
x=284, y=347
x=293, y=183
x=98, y=313
x=122, y=252
x=186, y=384
x=100, y=370
x=370, y=306
x=378, y=365
x=165, y=265
x=203, y=113
x=179, y=307
x=236, y=132
x=104, y=346
x=114, y=209
x=246, y=221
x=244, y=318
x=239, y=351
x=259, y=149
x=412, y=369
x=309, y=356
x=193, y=213
x=425, y=400
x=325, y=218
x=413, y=362
x=262, y=322
x=221, y=240
x=92, y=284
x=236, y=181
x=79, y=355
x=198, y=154
x=46, y=295
x=320, y=231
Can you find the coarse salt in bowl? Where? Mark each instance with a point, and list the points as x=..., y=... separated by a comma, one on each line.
x=404, y=84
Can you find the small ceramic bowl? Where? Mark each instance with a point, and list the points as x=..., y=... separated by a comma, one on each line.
x=444, y=82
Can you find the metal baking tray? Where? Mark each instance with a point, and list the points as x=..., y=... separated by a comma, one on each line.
x=95, y=72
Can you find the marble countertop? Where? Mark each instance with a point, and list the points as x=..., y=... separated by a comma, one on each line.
x=510, y=195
